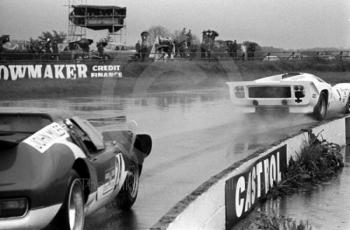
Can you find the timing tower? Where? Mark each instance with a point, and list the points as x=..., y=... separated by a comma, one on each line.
x=96, y=17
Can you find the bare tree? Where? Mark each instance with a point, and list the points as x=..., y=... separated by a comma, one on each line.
x=47, y=42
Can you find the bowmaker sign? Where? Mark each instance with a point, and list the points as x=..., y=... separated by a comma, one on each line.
x=244, y=190
x=58, y=71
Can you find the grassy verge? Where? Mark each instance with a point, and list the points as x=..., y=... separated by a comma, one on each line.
x=292, y=66
x=264, y=221
x=318, y=162
x=331, y=72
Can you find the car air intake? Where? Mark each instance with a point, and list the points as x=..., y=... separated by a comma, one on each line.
x=16, y=207
x=269, y=92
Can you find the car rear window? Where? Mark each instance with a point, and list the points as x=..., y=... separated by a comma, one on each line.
x=269, y=92
x=23, y=123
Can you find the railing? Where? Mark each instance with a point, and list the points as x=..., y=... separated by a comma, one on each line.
x=327, y=55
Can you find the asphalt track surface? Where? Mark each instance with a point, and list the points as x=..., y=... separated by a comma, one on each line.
x=195, y=134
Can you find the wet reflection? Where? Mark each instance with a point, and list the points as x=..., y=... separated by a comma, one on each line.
x=325, y=206
x=251, y=133
x=244, y=147
x=159, y=114
x=198, y=130
x=112, y=218
x=161, y=101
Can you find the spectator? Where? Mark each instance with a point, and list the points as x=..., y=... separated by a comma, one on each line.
x=3, y=39
x=251, y=50
x=319, y=56
x=48, y=45
x=55, y=47
x=341, y=56
x=292, y=56
x=55, y=50
x=138, y=50
x=189, y=38
x=234, y=50
x=244, y=52
x=100, y=49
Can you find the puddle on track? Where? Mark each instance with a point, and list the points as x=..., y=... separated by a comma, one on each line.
x=326, y=207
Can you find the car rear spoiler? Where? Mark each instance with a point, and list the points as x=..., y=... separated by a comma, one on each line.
x=102, y=119
x=233, y=84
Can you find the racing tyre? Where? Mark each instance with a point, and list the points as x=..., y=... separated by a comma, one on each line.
x=127, y=195
x=320, y=110
x=71, y=216
x=347, y=107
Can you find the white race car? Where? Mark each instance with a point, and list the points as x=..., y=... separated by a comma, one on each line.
x=291, y=92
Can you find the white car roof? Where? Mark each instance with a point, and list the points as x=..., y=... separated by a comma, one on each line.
x=289, y=77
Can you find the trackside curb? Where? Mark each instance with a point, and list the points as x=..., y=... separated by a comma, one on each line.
x=204, y=208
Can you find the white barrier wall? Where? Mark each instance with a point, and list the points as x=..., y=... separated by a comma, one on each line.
x=206, y=211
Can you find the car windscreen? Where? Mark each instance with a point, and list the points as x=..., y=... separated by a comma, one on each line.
x=16, y=127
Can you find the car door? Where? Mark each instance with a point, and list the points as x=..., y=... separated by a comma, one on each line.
x=337, y=100
x=103, y=159
x=107, y=165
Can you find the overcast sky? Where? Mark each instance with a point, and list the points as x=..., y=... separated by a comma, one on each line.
x=278, y=23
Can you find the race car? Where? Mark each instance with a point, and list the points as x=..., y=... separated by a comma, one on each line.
x=292, y=93
x=56, y=169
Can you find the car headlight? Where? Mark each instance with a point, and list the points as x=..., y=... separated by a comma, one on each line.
x=15, y=207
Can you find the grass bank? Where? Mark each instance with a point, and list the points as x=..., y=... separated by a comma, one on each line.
x=141, y=77
x=318, y=162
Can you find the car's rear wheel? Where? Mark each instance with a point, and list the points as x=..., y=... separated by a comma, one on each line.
x=71, y=216
x=320, y=110
x=127, y=196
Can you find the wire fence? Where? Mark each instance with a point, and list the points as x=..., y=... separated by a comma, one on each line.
x=326, y=55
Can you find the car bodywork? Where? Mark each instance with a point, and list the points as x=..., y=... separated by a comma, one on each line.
x=37, y=152
x=292, y=92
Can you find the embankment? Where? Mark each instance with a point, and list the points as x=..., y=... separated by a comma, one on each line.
x=38, y=79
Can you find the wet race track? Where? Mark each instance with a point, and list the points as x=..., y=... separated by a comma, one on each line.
x=325, y=207
x=196, y=134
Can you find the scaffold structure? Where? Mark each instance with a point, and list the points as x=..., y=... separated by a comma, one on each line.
x=83, y=16
x=75, y=32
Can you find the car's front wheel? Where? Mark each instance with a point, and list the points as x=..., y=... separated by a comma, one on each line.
x=127, y=195
x=320, y=110
x=71, y=215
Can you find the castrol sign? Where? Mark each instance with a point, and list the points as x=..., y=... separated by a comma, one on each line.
x=243, y=191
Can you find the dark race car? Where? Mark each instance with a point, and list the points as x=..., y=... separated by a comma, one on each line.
x=55, y=170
